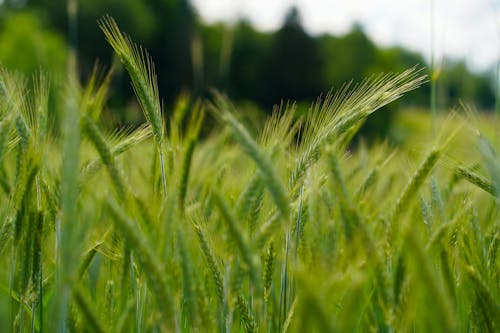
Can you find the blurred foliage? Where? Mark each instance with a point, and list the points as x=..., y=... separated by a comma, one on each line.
x=249, y=65
x=26, y=46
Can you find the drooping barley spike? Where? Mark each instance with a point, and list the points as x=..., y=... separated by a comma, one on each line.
x=476, y=179
x=337, y=113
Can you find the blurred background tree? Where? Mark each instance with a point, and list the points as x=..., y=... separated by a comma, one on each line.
x=192, y=56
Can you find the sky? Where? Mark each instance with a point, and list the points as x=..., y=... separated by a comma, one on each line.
x=463, y=29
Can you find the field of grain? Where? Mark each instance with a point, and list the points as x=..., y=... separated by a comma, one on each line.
x=161, y=229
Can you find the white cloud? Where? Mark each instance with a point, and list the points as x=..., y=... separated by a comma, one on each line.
x=467, y=29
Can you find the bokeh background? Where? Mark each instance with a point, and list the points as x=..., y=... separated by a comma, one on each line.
x=261, y=53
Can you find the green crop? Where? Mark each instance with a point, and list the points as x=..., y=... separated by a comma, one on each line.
x=162, y=229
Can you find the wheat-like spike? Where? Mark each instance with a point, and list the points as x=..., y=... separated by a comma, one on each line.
x=119, y=142
x=415, y=182
x=96, y=91
x=150, y=263
x=246, y=314
x=211, y=263
x=250, y=200
x=264, y=164
x=337, y=113
x=142, y=72
x=280, y=128
x=476, y=179
x=368, y=182
x=22, y=192
x=440, y=232
x=37, y=247
x=268, y=271
x=236, y=234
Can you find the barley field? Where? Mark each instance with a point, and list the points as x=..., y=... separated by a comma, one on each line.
x=161, y=228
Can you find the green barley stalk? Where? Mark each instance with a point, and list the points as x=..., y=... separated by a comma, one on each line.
x=490, y=306
x=415, y=183
x=109, y=300
x=184, y=177
x=95, y=135
x=249, y=202
x=213, y=267
x=68, y=227
x=435, y=290
x=148, y=260
x=268, y=271
x=189, y=298
x=118, y=143
x=141, y=69
x=236, y=234
x=41, y=107
x=263, y=161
